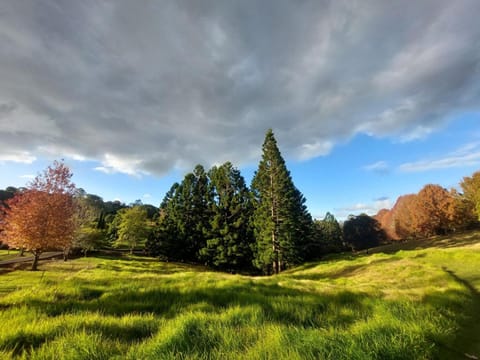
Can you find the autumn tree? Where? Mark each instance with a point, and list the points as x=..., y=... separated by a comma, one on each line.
x=434, y=210
x=41, y=217
x=405, y=218
x=281, y=220
x=387, y=221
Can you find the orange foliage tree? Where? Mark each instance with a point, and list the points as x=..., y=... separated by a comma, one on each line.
x=41, y=217
x=385, y=218
x=405, y=217
x=435, y=210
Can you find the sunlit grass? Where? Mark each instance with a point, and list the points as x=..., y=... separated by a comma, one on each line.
x=415, y=304
x=8, y=254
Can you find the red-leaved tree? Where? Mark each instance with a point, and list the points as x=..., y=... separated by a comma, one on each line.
x=41, y=217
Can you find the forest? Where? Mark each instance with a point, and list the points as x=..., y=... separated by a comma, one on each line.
x=212, y=217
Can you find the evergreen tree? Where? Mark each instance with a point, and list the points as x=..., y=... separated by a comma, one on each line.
x=184, y=219
x=327, y=238
x=228, y=244
x=168, y=239
x=281, y=221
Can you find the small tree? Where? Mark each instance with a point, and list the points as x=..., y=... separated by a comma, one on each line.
x=133, y=227
x=41, y=217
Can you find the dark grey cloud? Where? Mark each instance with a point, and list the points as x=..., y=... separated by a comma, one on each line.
x=150, y=86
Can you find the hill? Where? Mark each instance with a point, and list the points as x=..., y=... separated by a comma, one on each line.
x=419, y=302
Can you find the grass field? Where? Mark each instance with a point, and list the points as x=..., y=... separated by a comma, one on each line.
x=420, y=303
x=8, y=254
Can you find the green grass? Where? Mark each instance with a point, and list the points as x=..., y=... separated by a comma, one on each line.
x=409, y=304
x=8, y=254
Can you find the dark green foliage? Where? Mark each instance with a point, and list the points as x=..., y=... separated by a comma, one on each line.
x=229, y=238
x=205, y=219
x=281, y=221
x=327, y=238
x=363, y=232
x=184, y=220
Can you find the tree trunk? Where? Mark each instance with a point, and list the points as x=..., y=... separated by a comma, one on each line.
x=22, y=250
x=36, y=256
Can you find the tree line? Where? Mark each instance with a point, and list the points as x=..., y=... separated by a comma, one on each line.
x=213, y=218
x=434, y=210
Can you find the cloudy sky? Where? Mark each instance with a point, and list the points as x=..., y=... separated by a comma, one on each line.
x=368, y=99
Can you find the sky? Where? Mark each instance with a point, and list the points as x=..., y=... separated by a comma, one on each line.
x=368, y=100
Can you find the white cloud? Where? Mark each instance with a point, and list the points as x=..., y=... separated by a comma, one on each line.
x=112, y=164
x=466, y=156
x=379, y=167
x=150, y=88
x=364, y=208
x=23, y=157
x=27, y=176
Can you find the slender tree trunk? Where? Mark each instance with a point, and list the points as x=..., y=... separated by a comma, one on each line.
x=22, y=250
x=36, y=255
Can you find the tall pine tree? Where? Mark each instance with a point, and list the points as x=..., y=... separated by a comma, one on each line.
x=281, y=221
x=184, y=219
x=228, y=244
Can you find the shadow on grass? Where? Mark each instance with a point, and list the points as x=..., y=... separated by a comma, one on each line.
x=341, y=273
x=467, y=339
x=278, y=304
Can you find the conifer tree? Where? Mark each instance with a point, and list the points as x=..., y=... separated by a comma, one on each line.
x=327, y=238
x=228, y=244
x=281, y=220
x=184, y=219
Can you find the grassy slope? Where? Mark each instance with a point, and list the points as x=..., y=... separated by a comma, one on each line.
x=415, y=304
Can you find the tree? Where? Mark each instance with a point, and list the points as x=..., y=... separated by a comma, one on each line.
x=184, y=219
x=41, y=217
x=471, y=191
x=362, y=232
x=463, y=212
x=405, y=217
x=281, y=220
x=386, y=219
x=90, y=231
x=435, y=210
x=229, y=238
x=133, y=228
x=327, y=238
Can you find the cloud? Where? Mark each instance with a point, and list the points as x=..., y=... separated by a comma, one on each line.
x=27, y=176
x=380, y=167
x=371, y=209
x=23, y=157
x=144, y=89
x=467, y=155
